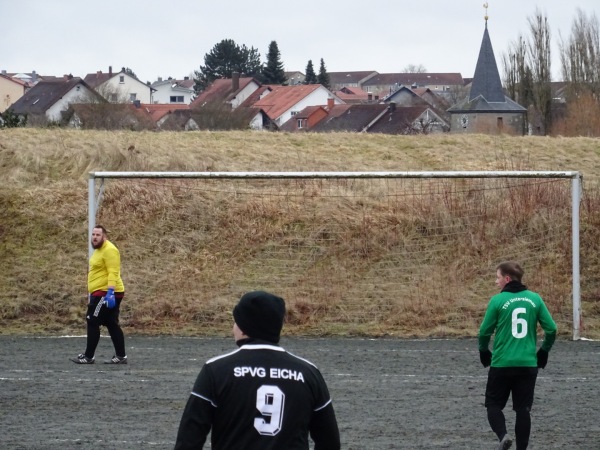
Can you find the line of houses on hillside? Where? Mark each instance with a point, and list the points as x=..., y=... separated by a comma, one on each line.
x=362, y=101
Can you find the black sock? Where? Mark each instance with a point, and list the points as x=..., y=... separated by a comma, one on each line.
x=522, y=429
x=497, y=421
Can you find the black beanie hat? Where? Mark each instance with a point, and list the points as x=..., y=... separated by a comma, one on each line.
x=260, y=315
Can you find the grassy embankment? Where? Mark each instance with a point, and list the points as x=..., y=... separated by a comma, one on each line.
x=181, y=277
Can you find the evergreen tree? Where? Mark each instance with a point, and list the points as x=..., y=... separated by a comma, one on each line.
x=311, y=76
x=273, y=72
x=323, y=77
x=225, y=58
x=251, y=66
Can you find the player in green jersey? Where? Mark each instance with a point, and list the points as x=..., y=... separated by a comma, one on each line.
x=513, y=315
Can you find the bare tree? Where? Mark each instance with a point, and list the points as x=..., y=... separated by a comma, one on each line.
x=580, y=55
x=456, y=95
x=414, y=68
x=539, y=60
x=517, y=73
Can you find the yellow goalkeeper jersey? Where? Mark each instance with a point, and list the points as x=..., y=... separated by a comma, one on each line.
x=105, y=269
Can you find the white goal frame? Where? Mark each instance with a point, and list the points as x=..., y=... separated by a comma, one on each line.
x=94, y=199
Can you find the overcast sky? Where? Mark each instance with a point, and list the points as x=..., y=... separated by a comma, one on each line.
x=162, y=39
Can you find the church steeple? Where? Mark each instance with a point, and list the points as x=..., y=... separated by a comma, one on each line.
x=487, y=109
x=486, y=81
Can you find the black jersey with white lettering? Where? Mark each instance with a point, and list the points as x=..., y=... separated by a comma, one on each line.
x=259, y=397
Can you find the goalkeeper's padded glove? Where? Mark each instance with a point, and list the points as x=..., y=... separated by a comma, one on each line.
x=109, y=298
x=542, y=358
x=485, y=357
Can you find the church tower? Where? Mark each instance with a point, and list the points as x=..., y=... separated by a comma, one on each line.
x=487, y=110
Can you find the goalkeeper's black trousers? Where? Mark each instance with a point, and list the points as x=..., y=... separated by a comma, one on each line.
x=98, y=314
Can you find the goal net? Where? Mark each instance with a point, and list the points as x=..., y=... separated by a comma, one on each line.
x=400, y=254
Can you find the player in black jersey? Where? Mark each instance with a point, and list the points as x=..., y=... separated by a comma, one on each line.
x=259, y=396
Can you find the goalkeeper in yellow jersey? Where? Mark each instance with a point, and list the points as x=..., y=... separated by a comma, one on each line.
x=106, y=291
x=513, y=315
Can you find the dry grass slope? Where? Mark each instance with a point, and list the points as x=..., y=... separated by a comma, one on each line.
x=183, y=274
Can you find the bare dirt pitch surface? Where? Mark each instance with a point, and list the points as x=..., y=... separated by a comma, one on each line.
x=388, y=393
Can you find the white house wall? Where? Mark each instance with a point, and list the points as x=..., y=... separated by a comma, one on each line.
x=257, y=122
x=246, y=92
x=163, y=94
x=75, y=95
x=124, y=89
x=437, y=124
x=315, y=98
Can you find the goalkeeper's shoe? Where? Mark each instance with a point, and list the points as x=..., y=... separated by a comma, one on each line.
x=82, y=359
x=117, y=360
x=505, y=443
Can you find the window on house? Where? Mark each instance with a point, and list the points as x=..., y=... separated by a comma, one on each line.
x=122, y=79
x=132, y=97
x=294, y=113
x=299, y=123
x=176, y=99
x=500, y=123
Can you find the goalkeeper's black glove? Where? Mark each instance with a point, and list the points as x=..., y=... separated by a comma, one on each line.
x=542, y=358
x=485, y=357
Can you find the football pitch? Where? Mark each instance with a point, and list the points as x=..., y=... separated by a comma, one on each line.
x=387, y=393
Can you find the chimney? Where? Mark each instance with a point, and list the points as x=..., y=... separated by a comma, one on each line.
x=330, y=103
x=159, y=79
x=369, y=96
x=98, y=72
x=392, y=106
x=33, y=76
x=186, y=78
x=3, y=71
x=235, y=81
x=110, y=70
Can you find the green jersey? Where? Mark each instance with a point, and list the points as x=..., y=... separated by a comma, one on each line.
x=514, y=317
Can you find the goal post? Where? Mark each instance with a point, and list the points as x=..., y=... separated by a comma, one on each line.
x=96, y=189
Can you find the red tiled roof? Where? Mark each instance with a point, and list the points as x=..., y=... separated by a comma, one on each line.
x=283, y=98
x=220, y=90
x=157, y=111
x=352, y=94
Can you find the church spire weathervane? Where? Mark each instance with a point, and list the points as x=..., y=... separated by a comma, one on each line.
x=485, y=5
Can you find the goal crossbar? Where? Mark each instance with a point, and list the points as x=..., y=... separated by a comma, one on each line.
x=575, y=176
x=379, y=174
